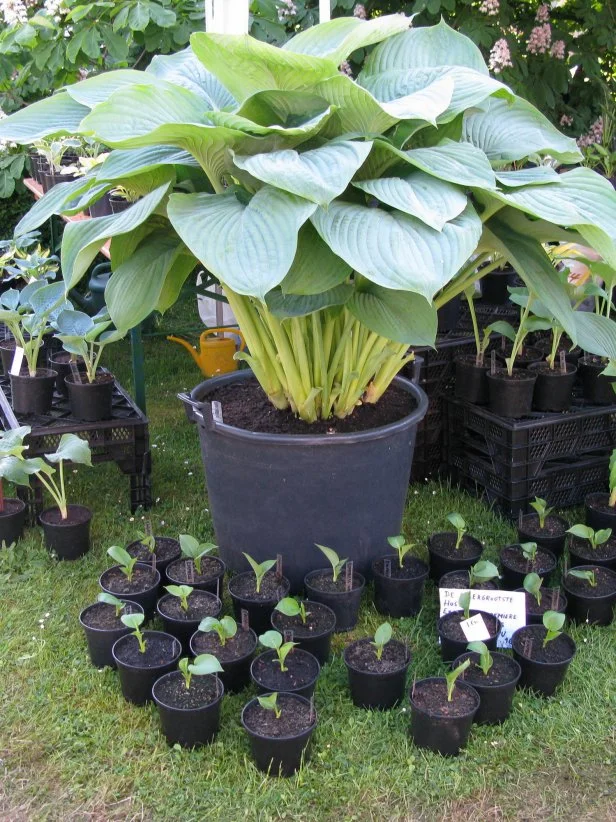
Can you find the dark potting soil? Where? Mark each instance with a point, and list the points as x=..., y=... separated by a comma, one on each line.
x=444, y=544
x=11, y=506
x=325, y=582
x=99, y=379
x=240, y=645
x=165, y=548
x=362, y=656
x=159, y=650
x=318, y=621
x=552, y=527
x=203, y=690
x=512, y=556
x=528, y=642
x=460, y=580
x=517, y=375
x=606, y=583
x=245, y=405
x=201, y=604
x=301, y=670
x=103, y=616
x=551, y=600
x=450, y=626
x=115, y=580
x=296, y=716
x=544, y=368
x=503, y=670
x=431, y=697
x=76, y=515
x=411, y=567
x=601, y=502
x=583, y=548
x=272, y=588
x=184, y=571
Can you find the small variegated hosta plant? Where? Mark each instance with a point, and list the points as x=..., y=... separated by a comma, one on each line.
x=529, y=551
x=290, y=606
x=401, y=546
x=482, y=571
x=465, y=603
x=148, y=540
x=225, y=628
x=201, y=665
x=594, y=538
x=588, y=575
x=334, y=560
x=124, y=560
x=274, y=641
x=270, y=703
x=460, y=525
x=338, y=214
x=195, y=550
x=452, y=676
x=260, y=569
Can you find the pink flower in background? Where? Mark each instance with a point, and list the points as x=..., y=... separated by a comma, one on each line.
x=345, y=68
x=490, y=7
x=558, y=49
x=13, y=11
x=287, y=11
x=566, y=120
x=540, y=39
x=594, y=134
x=360, y=11
x=500, y=56
x=543, y=13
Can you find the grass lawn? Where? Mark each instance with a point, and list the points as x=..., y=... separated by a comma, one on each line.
x=72, y=749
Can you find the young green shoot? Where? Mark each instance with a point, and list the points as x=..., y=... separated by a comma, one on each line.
x=482, y=571
x=290, y=606
x=532, y=585
x=334, y=560
x=260, y=569
x=382, y=635
x=481, y=345
x=135, y=621
x=273, y=640
x=527, y=325
x=147, y=540
x=71, y=448
x=452, y=676
x=182, y=592
x=529, y=551
x=202, y=665
x=485, y=657
x=553, y=623
x=270, y=703
x=109, y=599
x=401, y=547
x=595, y=538
x=542, y=510
x=589, y=576
x=460, y=525
x=122, y=558
x=193, y=549
x=465, y=603
x=612, y=480
x=226, y=628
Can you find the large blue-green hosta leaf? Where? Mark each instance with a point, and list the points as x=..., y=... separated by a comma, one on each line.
x=249, y=247
x=122, y=164
x=284, y=305
x=596, y=334
x=458, y=163
x=537, y=176
x=100, y=87
x=315, y=268
x=58, y=115
x=61, y=199
x=184, y=69
x=402, y=317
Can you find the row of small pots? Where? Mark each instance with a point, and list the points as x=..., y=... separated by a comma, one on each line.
x=48, y=177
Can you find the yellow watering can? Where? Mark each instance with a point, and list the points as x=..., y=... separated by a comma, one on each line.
x=215, y=355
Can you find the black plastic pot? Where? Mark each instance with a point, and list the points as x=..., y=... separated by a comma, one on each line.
x=553, y=389
x=91, y=402
x=541, y=677
x=460, y=580
x=118, y=204
x=60, y=362
x=357, y=483
x=582, y=553
x=213, y=584
x=597, y=389
x=495, y=286
x=284, y=755
x=7, y=352
x=70, y=539
x=448, y=315
x=452, y=648
x=536, y=617
x=471, y=380
x=584, y=607
x=551, y=542
x=33, y=395
x=376, y=690
x=511, y=397
x=442, y=563
x=188, y=727
x=306, y=688
x=183, y=629
x=345, y=604
x=398, y=596
x=513, y=578
x=236, y=672
x=259, y=612
x=599, y=514
x=12, y=520
x=100, y=640
x=136, y=682
x=440, y=731
x=497, y=698
x=523, y=360
x=146, y=599
x=163, y=559
x=318, y=644
x=101, y=208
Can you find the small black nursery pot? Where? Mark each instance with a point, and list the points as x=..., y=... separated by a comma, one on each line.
x=471, y=380
x=33, y=395
x=12, y=520
x=495, y=689
x=182, y=623
x=581, y=552
x=445, y=557
x=591, y=594
x=599, y=513
x=553, y=389
x=70, y=537
x=398, y=590
x=166, y=550
x=320, y=587
x=453, y=638
x=551, y=599
x=142, y=589
x=259, y=605
x=552, y=536
x=437, y=724
x=139, y=671
x=102, y=627
x=300, y=677
x=235, y=656
x=315, y=634
x=189, y=717
x=597, y=388
x=511, y=395
x=377, y=684
x=91, y=401
x=543, y=667
x=515, y=565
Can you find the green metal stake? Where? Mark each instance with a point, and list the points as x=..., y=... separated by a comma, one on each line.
x=136, y=343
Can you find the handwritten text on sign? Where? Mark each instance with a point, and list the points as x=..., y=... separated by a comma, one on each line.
x=508, y=606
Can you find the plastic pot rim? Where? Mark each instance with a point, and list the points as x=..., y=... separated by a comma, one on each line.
x=360, y=587
x=220, y=693
x=562, y=520
x=302, y=652
x=418, y=578
x=472, y=612
x=258, y=735
x=589, y=567
x=543, y=550
x=540, y=663
x=63, y=523
x=105, y=630
x=187, y=621
x=325, y=632
x=376, y=674
x=155, y=584
x=490, y=685
x=229, y=661
x=20, y=510
x=213, y=578
x=453, y=556
x=148, y=634
x=459, y=684
x=284, y=582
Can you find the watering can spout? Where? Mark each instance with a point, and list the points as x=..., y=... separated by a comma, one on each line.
x=187, y=346
x=216, y=355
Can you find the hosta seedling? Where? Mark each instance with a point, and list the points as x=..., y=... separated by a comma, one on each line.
x=465, y=603
x=334, y=560
x=273, y=640
x=382, y=635
x=589, y=576
x=193, y=549
x=485, y=657
x=553, y=623
x=290, y=606
x=460, y=525
x=532, y=585
x=270, y=703
x=595, y=538
x=202, y=665
x=148, y=540
x=226, y=628
x=260, y=569
x=452, y=676
x=542, y=510
x=182, y=592
x=109, y=599
x=401, y=546
x=135, y=621
x=529, y=551
x=482, y=571
x=123, y=559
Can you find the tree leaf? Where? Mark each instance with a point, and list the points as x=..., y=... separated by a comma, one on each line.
x=402, y=317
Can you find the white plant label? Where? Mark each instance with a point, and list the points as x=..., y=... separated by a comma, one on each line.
x=475, y=629
x=18, y=358
x=508, y=606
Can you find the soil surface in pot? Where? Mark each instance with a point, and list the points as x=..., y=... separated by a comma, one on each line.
x=237, y=647
x=444, y=544
x=103, y=616
x=100, y=379
x=600, y=502
x=450, y=626
x=552, y=527
x=583, y=548
x=525, y=356
x=411, y=568
x=244, y=586
x=606, y=584
x=362, y=655
x=11, y=506
x=503, y=670
x=76, y=515
x=530, y=645
x=551, y=600
x=246, y=406
x=159, y=650
x=116, y=581
x=301, y=670
x=165, y=548
x=512, y=556
x=296, y=716
x=325, y=582
x=517, y=375
x=460, y=580
x=318, y=621
x=431, y=697
x=185, y=573
x=203, y=691
x=544, y=368
x=200, y=605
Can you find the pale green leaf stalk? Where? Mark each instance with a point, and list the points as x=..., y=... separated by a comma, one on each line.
x=109, y=599
x=485, y=657
x=123, y=559
x=553, y=623
x=542, y=510
x=452, y=676
x=382, y=636
x=460, y=525
x=290, y=606
x=273, y=640
x=270, y=703
x=226, y=628
x=334, y=560
x=182, y=592
x=465, y=603
x=401, y=546
x=135, y=621
x=260, y=569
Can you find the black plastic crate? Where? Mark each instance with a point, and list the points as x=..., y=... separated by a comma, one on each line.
x=486, y=313
x=437, y=369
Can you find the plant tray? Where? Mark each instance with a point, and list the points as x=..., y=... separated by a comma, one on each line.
x=487, y=313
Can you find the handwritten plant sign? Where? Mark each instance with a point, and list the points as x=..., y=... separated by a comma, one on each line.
x=508, y=606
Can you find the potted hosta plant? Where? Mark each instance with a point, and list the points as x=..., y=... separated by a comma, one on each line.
x=520, y=559
x=161, y=551
x=540, y=599
x=234, y=647
x=544, y=653
x=601, y=505
x=289, y=668
x=591, y=594
x=338, y=216
x=310, y=623
x=377, y=669
x=257, y=592
x=196, y=567
x=453, y=550
x=555, y=375
x=131, y=580
x=543, y=527
x=494, y=676
x=55, y=158
x=471, y=379
x=102, y=625
x=452, y=634
x=183, y=608
x=589, y=546
x=12, y=510
x=481, y=576
x=339, y=589
x=399, y=580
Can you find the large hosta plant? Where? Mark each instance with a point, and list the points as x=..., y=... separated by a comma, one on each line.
x=338, y=214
